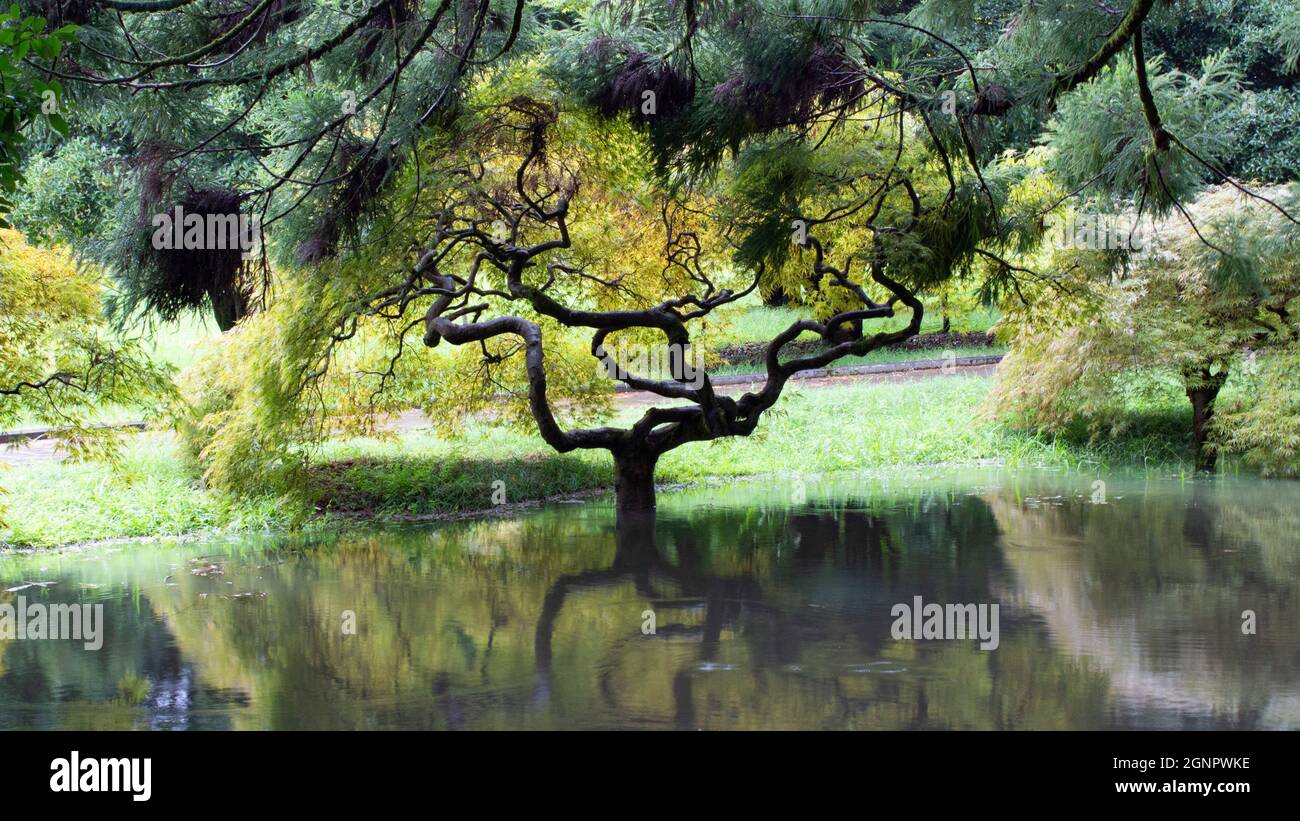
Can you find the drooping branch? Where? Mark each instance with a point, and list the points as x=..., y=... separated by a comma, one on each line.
x=1129, y=26
x=1159, y=137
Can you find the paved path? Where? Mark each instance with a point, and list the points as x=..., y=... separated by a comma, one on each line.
x=27, y=449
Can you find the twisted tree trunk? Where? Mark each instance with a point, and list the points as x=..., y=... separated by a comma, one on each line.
x=455, y=316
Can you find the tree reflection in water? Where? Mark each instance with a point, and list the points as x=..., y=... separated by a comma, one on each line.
x=767, y=615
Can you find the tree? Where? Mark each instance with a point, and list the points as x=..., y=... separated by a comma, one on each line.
x=285, y=113
x=1261, y=38
x=1204, y=298
x=536, y=220
x=537, y=217
x=59, y=365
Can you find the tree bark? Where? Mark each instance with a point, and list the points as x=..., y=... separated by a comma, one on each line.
x=846, y=332
x=1202, y=397
x=634, y=484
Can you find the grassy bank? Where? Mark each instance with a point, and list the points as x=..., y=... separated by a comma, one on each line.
x=853, y=426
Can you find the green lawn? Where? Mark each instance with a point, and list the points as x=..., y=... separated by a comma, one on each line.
x=177, y=343
x=879, y=357
x=749, y=320
x=148, y=494
x=860, y=426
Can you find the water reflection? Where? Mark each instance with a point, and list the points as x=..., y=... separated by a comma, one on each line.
x=767, y=615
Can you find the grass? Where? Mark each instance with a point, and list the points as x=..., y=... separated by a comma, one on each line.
x=177, y=343
x=148, y=493
x=856, y=426
x=878, y=357
x=749, y=320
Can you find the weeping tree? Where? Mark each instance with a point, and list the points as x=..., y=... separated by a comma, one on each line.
x=534, y=252
x=547, y=213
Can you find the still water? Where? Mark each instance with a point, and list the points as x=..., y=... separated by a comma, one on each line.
x=1120, y=606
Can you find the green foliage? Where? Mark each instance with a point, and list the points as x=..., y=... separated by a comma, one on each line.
x=27, y=96
x=254, y=103
x=1181, y=312
x=1266, y=142
x=68, y=194
x=1100, y=137
x=58, y=362
x=1260, y=36
x=780, y=186
x=1286, y=39
x=760, y=69
x=246, y=420
x=1264, y=426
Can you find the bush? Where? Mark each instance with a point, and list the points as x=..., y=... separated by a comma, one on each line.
x=1266, y=141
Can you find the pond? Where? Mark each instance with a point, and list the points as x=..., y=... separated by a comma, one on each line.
x=768, y=604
